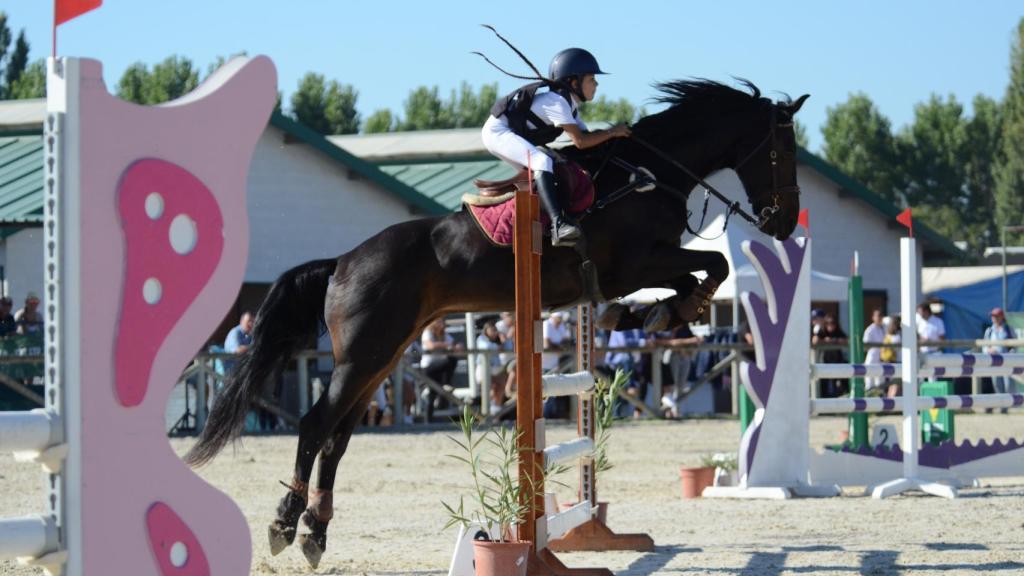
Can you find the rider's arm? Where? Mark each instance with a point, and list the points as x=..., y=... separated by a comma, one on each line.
x=585, y=139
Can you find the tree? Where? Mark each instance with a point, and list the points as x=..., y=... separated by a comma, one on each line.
x=981, y=151
x=132, y=85
x=31, y=84
x=379, y=121
x=472, y=109
x=931, y=153
x=859, y=141
x=613, y=111
x=326, y=107
x=170, y=79
x=424, y=110
x=1009, y=172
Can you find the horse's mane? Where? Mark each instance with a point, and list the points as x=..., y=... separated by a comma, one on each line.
x=693, y=100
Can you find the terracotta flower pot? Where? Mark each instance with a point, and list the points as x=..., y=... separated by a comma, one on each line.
x=500, y=558
x=695, y=480
x=602, y=510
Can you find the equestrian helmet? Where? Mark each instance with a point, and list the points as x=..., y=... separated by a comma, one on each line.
x=573, y=62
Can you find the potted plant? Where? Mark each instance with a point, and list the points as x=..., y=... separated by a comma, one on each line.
x=696, y=478
x=497, y=500
x=606, y=397
x=725, y=464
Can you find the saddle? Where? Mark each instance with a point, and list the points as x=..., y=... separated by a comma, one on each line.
x=492, y=188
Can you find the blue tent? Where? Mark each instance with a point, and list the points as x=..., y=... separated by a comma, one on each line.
x=967, y=308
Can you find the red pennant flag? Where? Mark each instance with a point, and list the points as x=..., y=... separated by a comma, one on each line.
x=804, y=219
x=905, y=219
x=64, y=10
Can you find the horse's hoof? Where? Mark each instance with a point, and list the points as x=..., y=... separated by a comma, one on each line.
x=281, y=536
x=609, y=319
x=658, y=318
x=311, y=549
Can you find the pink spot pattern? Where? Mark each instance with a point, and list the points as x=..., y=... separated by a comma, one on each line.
x=165, y=529
x=150, y=256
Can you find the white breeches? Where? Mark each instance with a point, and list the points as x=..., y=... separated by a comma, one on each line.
x=501, y=141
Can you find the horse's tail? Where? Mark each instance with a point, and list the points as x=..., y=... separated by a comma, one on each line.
x=289, y=318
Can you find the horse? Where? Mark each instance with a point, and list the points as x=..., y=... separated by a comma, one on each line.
x=377, y=298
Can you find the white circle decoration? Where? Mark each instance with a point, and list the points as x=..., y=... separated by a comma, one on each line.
x=152, y=291
x=183, y=234
x=179, y=554
x=154, y=205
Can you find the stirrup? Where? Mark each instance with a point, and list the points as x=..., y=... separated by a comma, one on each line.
x=564, y=233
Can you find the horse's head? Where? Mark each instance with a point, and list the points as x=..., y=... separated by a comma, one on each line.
x=765, y=160
x=719, y=127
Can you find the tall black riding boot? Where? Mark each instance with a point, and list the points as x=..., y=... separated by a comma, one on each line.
x=563, y=232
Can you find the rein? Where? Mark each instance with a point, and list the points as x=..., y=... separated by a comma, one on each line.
x=732, y=206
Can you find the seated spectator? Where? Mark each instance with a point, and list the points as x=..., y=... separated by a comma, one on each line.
x=435, y=362
x=678, y=363
x=890, y=354
x=237, y=342
x=558, y=345
x=7, y=323
x=874, y=334
x=489, y=339
x=29, y=319
x=628, y=361
x=831, y=333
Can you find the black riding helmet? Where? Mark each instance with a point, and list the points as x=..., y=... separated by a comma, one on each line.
x=573, y=63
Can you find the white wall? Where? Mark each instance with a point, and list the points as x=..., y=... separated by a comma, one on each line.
x=304, y=205
x=839, y=226
x=23, y=254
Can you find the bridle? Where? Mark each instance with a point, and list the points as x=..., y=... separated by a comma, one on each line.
x=773, y=157
x=734, y=207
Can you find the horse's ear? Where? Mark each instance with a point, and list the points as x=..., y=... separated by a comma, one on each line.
x=795, y=106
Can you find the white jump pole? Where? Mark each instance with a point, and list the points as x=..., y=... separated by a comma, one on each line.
x=910, y=365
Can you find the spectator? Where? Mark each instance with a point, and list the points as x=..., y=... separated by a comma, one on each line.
x=240, y=337
x=874, y=334
x=237, y=342
x=930, y=327
x=435, y=362
x=29, y=319
x=508, y=356
x=831, y=333
x=1000, y=330
x=628, y=361
x=890, y=354
x=489, y=339
x=557, y=343
x=7, y=323
x=817, y=321
x=678, y=363
x=744, y=336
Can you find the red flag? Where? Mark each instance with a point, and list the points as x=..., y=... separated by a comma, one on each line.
x=804, y=219
x=905, y=219
x=64, y=10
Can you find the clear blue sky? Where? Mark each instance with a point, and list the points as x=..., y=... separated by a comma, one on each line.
x=896, y=52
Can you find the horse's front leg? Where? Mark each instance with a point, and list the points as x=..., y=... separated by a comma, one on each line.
x=671, y=267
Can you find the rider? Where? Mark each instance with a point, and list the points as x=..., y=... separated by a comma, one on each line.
x=513, y=132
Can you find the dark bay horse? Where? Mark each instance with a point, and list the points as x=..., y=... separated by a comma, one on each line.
x=376, y=299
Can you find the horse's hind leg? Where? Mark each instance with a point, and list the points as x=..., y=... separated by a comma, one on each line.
x=320, y=509
x=314, y=428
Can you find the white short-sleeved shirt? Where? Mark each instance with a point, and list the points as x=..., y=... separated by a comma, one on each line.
x=931, y=329
x=553, y=109
x=873, y=334
x=555, y=335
